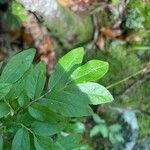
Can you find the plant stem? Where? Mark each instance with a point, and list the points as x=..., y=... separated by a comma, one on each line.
x=12, y=110
x=142, y=71
x=36, y=100
x=27, y=129
x=32, y=102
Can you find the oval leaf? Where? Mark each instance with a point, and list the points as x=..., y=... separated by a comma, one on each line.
x=72, y=58
x=17, y=66
x=21, y=140
x=44, y=143
x=4, y=109
x=23, y=99
x=91, y=71
x=97, y=94
x=4, y=89
x=19, y=86
x=36, y=81
x=42, y=113
x=48, y=129
x=94, y=131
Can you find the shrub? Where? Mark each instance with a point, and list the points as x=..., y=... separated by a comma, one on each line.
x=32, y=112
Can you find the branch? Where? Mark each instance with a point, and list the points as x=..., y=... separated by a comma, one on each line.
x=133, y=86
x=143, y=71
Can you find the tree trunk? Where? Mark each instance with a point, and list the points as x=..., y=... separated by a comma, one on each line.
x=69, y=28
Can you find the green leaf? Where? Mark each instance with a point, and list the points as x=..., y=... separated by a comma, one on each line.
x=96, y=93
x=94, y=131
x=67, y=104
x=36, y=81
x=48, y=129
x=91, y=71
x=17, y=66
x=42, y=113
x=112, y=138
x=4, y=89
x=1, y=142
x=18, y=87
x=70, y=142
x=72, y=58
x=21, y=140
x=75, y=127
x=103, y=130
x=66, y=65
x=119, y=138
x=97, y=119
x=25, y=118
x=23, y=99
x=19, y=11
x=44, y=143
x=4, y=109
x=115, y=128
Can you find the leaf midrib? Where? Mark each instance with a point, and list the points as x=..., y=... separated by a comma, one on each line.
x=88, y=72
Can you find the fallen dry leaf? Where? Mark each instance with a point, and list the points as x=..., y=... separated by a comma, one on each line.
x=110, y=32
x=100, y=42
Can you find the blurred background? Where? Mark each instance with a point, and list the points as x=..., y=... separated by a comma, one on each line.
x=116, y=31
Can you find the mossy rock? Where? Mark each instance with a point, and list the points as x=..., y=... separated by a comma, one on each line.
x=69, y=28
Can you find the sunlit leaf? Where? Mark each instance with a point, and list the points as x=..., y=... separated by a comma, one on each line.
x=66, y=65
x=91, y=71
x=96, y=93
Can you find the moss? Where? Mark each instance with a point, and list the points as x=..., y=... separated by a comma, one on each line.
x=71, y=29
x=139, y=98
x=144, y=122
x=134, y=19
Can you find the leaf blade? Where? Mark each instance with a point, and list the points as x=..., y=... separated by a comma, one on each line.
x=44, y=143
x=96, y=93
x=21, y=140
x=4, y=89
x=36, y=81
x=4, y=109
x=43, y=113
x=48, y=129
x=17, y=66
x=67, y=104
x=91, y=71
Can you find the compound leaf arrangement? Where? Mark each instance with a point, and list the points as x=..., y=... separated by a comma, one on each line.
x=32, y=112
